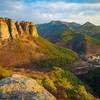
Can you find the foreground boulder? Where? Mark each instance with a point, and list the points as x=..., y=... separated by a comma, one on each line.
x=20, y=87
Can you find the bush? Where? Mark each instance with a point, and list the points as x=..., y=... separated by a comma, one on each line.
x=66, y=86
x=93, y=79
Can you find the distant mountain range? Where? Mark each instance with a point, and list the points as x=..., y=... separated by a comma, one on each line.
x=23, y=51
x=80, y=38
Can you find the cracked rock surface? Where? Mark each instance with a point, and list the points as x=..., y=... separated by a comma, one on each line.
x=20, y=87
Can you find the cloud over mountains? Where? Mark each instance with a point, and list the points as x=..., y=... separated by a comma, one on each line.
x=44, y=10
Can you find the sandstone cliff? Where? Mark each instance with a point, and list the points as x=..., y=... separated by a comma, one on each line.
x=10, y=29
x=33, y=30
x=19, y=28
x=24, y=47
x=20, y=87
x=29, y=28
x=4, y=31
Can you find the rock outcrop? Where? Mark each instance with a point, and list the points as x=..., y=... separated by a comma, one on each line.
x=29, y=28
x=4, y=31
x=33, y=30
x=20, y=87
x=25, y=26
x=19, y=28
x=10, y=29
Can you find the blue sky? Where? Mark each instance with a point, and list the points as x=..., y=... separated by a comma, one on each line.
x=41, y=11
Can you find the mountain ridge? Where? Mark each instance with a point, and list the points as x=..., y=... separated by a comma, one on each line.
x=20, y=43
x=23, y=51
x=66, y=35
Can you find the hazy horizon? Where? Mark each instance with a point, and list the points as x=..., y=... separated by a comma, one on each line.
x=44, y=11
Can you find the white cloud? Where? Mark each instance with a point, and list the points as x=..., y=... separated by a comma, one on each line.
x=41, y=12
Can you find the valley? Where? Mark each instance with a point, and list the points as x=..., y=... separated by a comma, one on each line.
x=49, y=49
x=56, y=67
x=79, y=38
x=87, y=65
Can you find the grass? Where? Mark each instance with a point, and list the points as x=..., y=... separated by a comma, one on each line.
x=92, y=40
x=66, y=86
x=35, y=51
x=5, y=72
x=54, y=55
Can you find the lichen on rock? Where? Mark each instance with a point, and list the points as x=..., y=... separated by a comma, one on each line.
x=20, y=87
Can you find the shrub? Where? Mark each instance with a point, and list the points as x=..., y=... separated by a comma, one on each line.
x=4, y=72
x=66, y=86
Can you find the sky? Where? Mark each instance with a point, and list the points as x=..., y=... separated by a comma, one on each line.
x=43, y=11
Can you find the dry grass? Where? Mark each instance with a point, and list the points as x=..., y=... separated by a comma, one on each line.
x=5, y=72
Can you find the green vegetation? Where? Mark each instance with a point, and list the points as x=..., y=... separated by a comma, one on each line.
x=35, y=51
x=63, y=84
x=91, y=30
x=92, y=40
x=53, y=30
x=66, y=86
x=71, y=35
x=78, y=41
x=55, y=56
x=93, y=79
x=96, y=35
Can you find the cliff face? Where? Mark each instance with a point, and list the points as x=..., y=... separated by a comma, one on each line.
x=29, y=28
x=4, y=31
x=10, y=29
x=23, y=46
x=19, y=28
x=33, y=30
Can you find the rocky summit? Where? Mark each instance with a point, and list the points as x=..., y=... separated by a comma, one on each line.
x=20, y=87
x=10, y=29
x=20, y=44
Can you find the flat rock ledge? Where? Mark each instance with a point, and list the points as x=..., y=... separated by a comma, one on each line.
x=18, y=87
